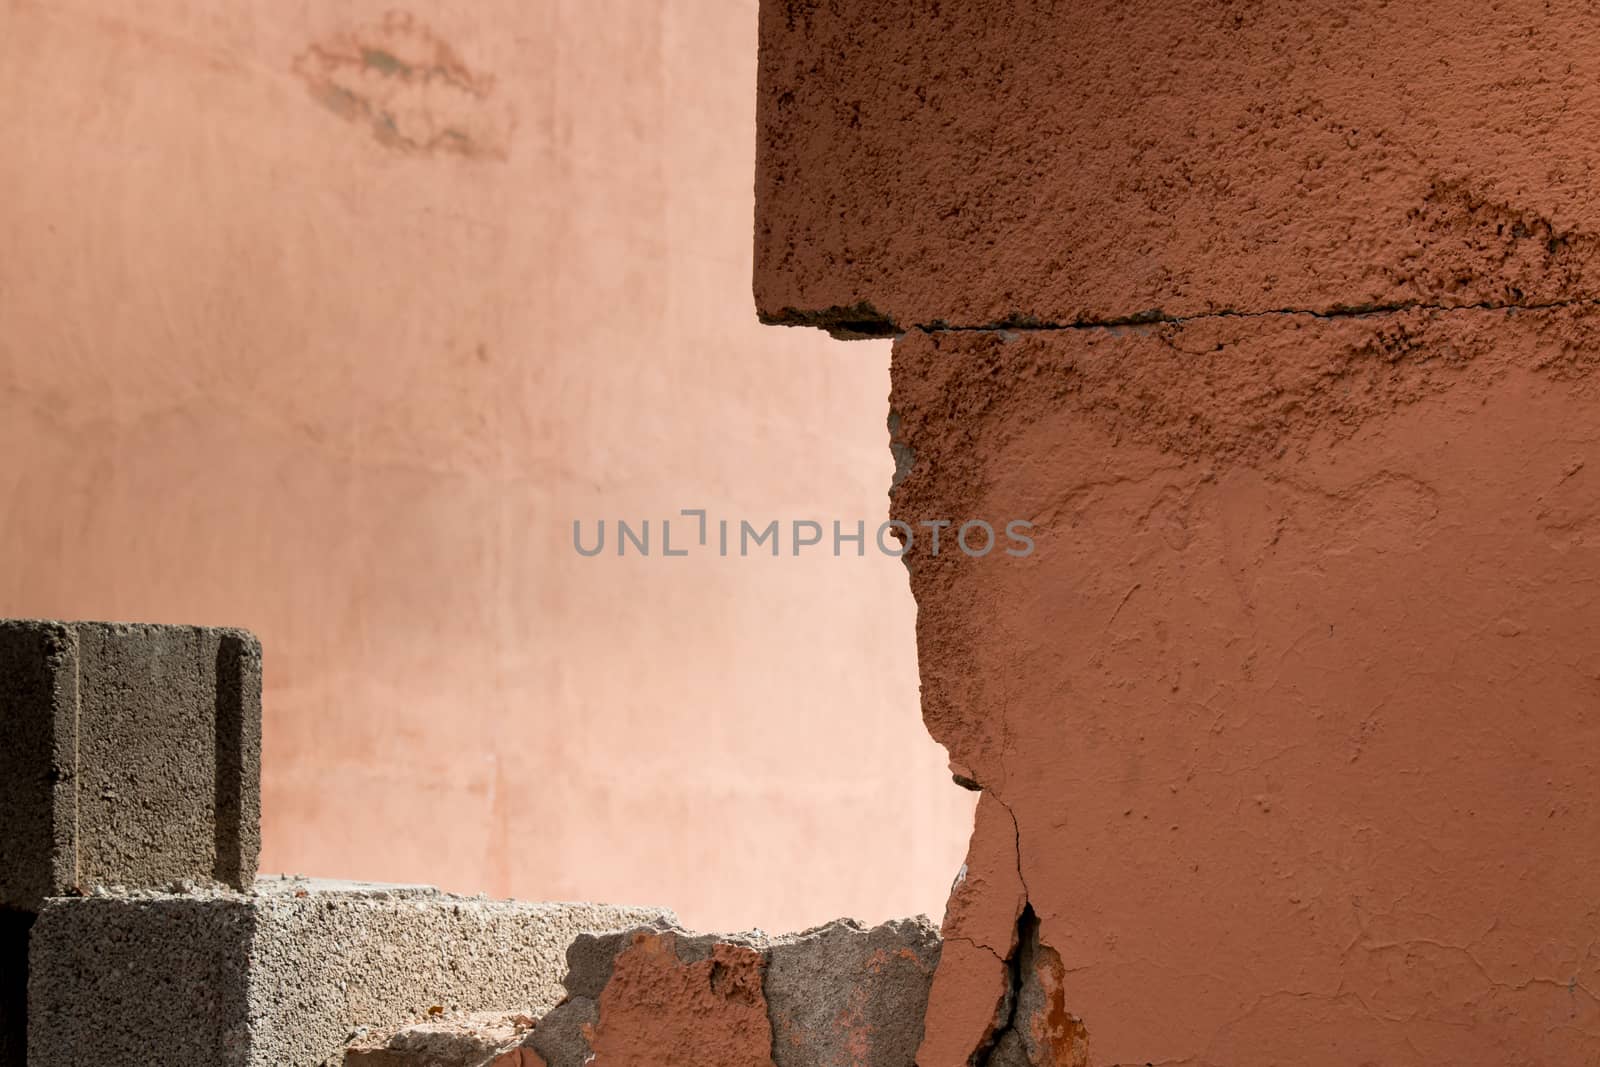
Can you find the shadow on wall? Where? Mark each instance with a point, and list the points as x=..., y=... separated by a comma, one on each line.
x=14, y=927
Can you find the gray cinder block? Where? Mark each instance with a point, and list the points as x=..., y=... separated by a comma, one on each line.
x=284, y=976
x=131, y=757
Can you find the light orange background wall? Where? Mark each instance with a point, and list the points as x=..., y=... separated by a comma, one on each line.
x=344, y=368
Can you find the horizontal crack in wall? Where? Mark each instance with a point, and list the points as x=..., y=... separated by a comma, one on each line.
x=835, y=323
x=1155, y=317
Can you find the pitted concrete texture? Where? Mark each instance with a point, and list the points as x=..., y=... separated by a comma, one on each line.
x=848, y=994
x=991, y=162
x=1287, y=725
x=838, y=994
x=450, y=1039
x=132, y=757
x=287, y=975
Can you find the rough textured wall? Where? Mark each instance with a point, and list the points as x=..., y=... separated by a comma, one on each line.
x=975, y=162
x=1294, y=706
x=328, y=320
x=1286, y=727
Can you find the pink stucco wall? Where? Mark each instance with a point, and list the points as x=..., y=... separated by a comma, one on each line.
x=328, y=320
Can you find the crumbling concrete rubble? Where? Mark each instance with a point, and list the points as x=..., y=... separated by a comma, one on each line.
x=448, y=1039
x=838, y=994
x=841, y=994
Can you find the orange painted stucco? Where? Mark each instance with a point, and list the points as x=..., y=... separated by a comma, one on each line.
x=658, y=1008
x=1295, y=706
x=328, y=320
x=1280, y=324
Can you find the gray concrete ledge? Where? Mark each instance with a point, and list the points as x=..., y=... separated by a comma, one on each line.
x=286, y=975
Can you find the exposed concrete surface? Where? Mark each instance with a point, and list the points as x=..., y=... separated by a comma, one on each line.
x=285, y=976
x=848, y=994
x=977, y=162
x=150, y=979
x=169, y=754
x=133, y=756
x=474, y=1039
x=839, y=994
x=1292, y=708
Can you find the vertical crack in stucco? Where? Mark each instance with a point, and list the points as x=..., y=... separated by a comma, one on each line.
x=1032, y=1027
x=1037, y=1031
x=1170, y=402
x=1016, y=828
x=986, y=1055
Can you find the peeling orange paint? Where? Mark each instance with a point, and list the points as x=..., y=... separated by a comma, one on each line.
x=664, y=1010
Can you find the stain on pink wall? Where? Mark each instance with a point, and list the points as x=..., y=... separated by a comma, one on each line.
x=329, y=320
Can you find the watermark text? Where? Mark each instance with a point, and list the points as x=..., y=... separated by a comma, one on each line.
x=693, y=531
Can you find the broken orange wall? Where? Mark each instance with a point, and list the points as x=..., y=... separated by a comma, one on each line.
x=328, y=321
x=1279, y=322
